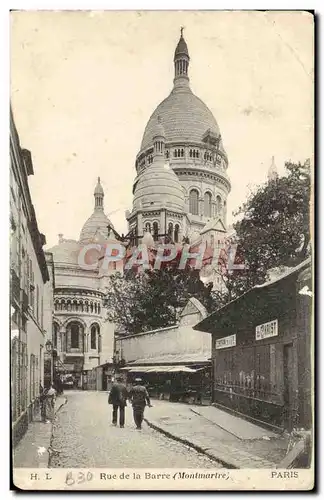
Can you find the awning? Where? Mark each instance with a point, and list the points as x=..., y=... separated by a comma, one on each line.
x=159, y=369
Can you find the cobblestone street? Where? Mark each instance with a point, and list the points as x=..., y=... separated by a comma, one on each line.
x=84, y=437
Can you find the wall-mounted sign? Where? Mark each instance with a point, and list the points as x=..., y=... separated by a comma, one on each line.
x=266, y=330
x=229, y=341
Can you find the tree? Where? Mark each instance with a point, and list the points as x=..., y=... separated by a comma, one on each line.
x=274, y=230
x=154, y=299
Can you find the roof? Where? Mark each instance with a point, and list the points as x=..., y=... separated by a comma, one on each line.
x=185, y=119
x=173, y=358
x=97, y=223
x=182, y=48
x=204, y=324
x=214, y=224
x=159, y=369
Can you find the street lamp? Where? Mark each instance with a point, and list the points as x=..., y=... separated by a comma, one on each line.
x=53, y=353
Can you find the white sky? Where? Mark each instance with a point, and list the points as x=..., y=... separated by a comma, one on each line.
x=85, y=84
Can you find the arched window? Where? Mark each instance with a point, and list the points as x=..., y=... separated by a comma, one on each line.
x=207, y=204
x=182, y=152
x=193, y=201
x=75, y=331
x=170, y=230
x=155, y=230
x=212, y=240
x=148, y=227
x=190, y=153
x=176, y=233
x=175, y=153
x=218, y=205
x=167, y=154
x=91, y=307
x=55, y=334
x=93, y=337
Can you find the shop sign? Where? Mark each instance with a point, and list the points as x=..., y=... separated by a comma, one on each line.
x=266, y=330
x=229, y=341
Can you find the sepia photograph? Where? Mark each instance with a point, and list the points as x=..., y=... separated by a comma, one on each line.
x=162, y=250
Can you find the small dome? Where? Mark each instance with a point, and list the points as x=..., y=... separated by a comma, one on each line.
x=158, y=187
x=96, y=227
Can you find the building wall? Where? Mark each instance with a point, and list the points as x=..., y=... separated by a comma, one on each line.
x=171, y=341
x=28, y=277
x=262, y=378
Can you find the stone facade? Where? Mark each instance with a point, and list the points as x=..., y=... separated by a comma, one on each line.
x=28, y=291
x=82, y=336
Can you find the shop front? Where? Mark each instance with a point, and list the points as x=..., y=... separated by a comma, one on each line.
x=187, y=384
x=261, y=351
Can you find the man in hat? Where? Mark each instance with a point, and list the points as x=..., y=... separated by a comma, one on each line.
x=139, y=397
x=118, y=398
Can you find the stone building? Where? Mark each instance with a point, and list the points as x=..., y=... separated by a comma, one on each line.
x=182, y=185
x=81, y=335
x=28, y=291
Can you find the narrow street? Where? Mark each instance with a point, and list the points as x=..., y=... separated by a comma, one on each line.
x=85, y=437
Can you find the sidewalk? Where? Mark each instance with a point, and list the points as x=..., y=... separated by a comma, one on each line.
x=33, y=450
x=230, y=440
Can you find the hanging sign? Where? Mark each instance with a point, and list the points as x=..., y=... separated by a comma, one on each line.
x=229, y=341
x=266, y=330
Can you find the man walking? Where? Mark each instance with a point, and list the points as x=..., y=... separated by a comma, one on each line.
x=139, y=397
x=118, y=398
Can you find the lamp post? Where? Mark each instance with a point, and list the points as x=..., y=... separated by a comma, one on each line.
x=53, y=353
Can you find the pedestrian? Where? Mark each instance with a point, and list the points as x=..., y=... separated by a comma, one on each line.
x=50, y=397
x=139, y=398
x=118, y=398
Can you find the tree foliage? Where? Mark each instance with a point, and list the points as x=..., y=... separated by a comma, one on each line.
x=274, y=229
x=154, y=298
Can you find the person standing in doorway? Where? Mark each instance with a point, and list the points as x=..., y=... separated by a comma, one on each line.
x=118, y=398
x=139, y=398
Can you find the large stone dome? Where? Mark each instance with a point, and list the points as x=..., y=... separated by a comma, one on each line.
x=184, y=116
x=158, y=185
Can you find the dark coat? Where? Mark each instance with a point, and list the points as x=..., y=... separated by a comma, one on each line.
x=139, y=397
x=118, y=394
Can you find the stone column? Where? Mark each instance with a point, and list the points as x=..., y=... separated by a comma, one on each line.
x=86, y=345
x=201, y=206
x=62, y=343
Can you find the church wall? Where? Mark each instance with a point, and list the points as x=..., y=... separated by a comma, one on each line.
x=107, y=353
